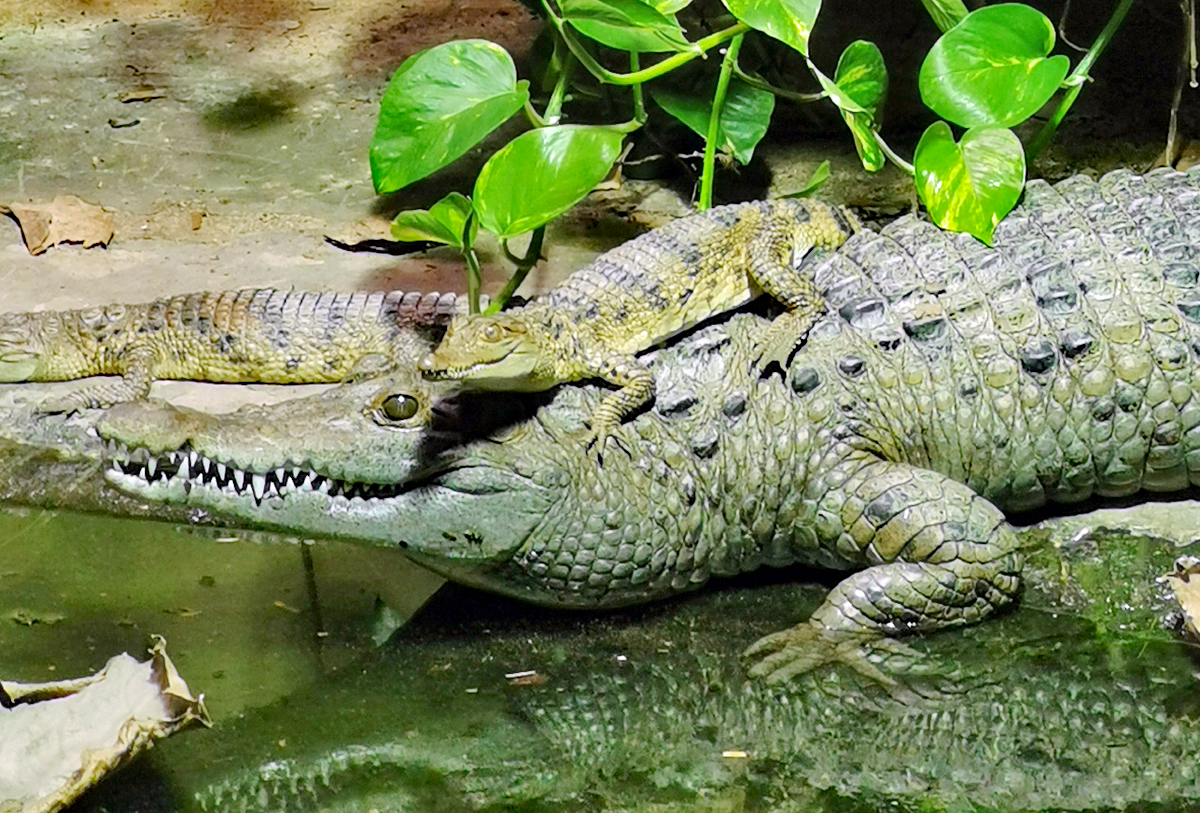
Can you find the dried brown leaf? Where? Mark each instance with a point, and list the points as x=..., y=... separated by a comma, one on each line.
x=66, y=219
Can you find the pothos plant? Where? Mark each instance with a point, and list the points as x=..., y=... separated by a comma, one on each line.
x=990, y=70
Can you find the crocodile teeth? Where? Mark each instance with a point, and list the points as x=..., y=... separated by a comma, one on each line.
x=258, y=484
x=189, y=469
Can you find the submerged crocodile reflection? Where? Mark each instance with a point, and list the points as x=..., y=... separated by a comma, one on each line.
x=482, y=705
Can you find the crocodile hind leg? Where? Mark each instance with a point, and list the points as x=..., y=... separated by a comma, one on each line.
x=134, y=385
x=939, y=556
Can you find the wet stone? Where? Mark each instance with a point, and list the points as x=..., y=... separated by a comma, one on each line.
x=851, y=366
x=804, y=380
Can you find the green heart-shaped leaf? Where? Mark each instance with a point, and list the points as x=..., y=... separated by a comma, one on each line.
x=790, y=21
x=443, y=222
x=745, y=116
x=439, y=104
x=969, y=186
x=945, y=13
x=993, y=68
x=815, y=181
x=540, y=174
x=628, y=25
x=862, y=76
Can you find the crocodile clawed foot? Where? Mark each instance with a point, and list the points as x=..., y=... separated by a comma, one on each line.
x=777, y=347
x=886, y=662
x=598, y=441
x=783, y=655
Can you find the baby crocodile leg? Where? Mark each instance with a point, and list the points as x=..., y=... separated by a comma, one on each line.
x=775, y=254
x=635, y=385
x=939, y=554
x=134, y=385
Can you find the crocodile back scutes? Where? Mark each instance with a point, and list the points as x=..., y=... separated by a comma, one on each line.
x=1061, y=363
x=267, y=335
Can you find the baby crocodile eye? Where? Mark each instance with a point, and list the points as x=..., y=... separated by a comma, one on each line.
x=491, y=333
x=398, y=407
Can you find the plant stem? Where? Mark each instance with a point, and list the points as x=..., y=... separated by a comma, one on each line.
x=554, y=107
x=1076, y=80
x=534, y=118
x=896, y=159
x=474, y=279
x=762, y=84
x=700, y=47
x=639, y=100
x=714, y=123
x=532, y=254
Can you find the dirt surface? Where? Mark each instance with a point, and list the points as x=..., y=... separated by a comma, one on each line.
x=225, y=138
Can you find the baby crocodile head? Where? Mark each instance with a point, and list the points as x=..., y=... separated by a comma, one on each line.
x=505, y=352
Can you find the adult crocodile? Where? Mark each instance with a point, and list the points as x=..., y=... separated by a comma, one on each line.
x=948, y=381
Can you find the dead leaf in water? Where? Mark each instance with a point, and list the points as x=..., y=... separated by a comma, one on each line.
x=1184, y=582
x=67, y=219
x=58, y=739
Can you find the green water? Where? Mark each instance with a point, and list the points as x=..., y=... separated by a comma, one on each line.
x=238, y=616
x=1081, y=699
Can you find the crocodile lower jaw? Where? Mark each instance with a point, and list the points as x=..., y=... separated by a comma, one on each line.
x=185, y=468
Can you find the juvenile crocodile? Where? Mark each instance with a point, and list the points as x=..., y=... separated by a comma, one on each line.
x=644, y=292
x=947, y=381
x=264, y=335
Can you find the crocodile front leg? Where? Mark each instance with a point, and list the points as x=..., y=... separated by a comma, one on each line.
x=134, y=385
x=939, y=556
x=636, y=384
x=773, y=268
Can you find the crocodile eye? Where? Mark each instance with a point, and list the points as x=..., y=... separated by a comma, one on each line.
x=399, y=407
x=491, y=333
